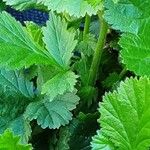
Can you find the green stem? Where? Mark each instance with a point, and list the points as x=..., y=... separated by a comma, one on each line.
x=122, y=73
x=98, y=51
x=86, y=26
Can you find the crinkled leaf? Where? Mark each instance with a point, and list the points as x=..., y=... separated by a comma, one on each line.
x=125, y=115
x=16, y=82
x=135, y=51
x=59, y=84
x=55, y=113
x=100, y=142
x=59, y=41
x=8, y=141
x=17, y=48
x=127, y=15
x=76, y=8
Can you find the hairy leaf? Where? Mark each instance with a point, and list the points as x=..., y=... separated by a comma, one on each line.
x=10, y=142
x=59, y=41
x=127, y=15
x=135, y=51
x=75, y=8
x=55, y=113
x=125, y=115
x=59, y=84
x=87, y=46
x=100, y=142
x=17, y=48
x=16, y=82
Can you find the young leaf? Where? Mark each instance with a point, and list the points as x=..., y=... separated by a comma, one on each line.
x=17, y=48
x=59, y=84
x=127, y=16
x=77, y=8
x=10, y=142
x=87, y=46
x=55, y=113
x=125, y=115
x=16, y=83
x=59, y=41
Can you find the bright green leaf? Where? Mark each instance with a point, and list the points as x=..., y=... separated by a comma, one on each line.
x=10, y=142
x=100, y=142
x=125, y=115
x=135, y=51
x=17, y=48
x=55, y=113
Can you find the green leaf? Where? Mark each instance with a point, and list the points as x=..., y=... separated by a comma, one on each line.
x=87, y=46
x=10, y=142
x=52, y=114
x=59, y=41
x=59, y=84
x=95, y=2
x=82, y=67
x=77, y=8
x=20, y=4
x=127, y=15
x=78, y=134
x=135, y=51
x=100, y=142
x=112, y=79
x=17, y=48
x=16, y=82
x=12, y=107
x=125, y=115
x=35, y=32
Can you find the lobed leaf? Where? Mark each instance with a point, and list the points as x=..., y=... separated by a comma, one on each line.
x=135, y=51
x=77, y=8
x=52, y=114
x=127, y=15
x=59, y=84
x=16, y=83
x=125, y=115
x=17, y=48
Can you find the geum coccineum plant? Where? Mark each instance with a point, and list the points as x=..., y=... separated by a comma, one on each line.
x=44, y=71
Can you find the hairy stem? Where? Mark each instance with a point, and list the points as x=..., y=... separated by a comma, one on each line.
x=86, y=26
x=98, y=51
